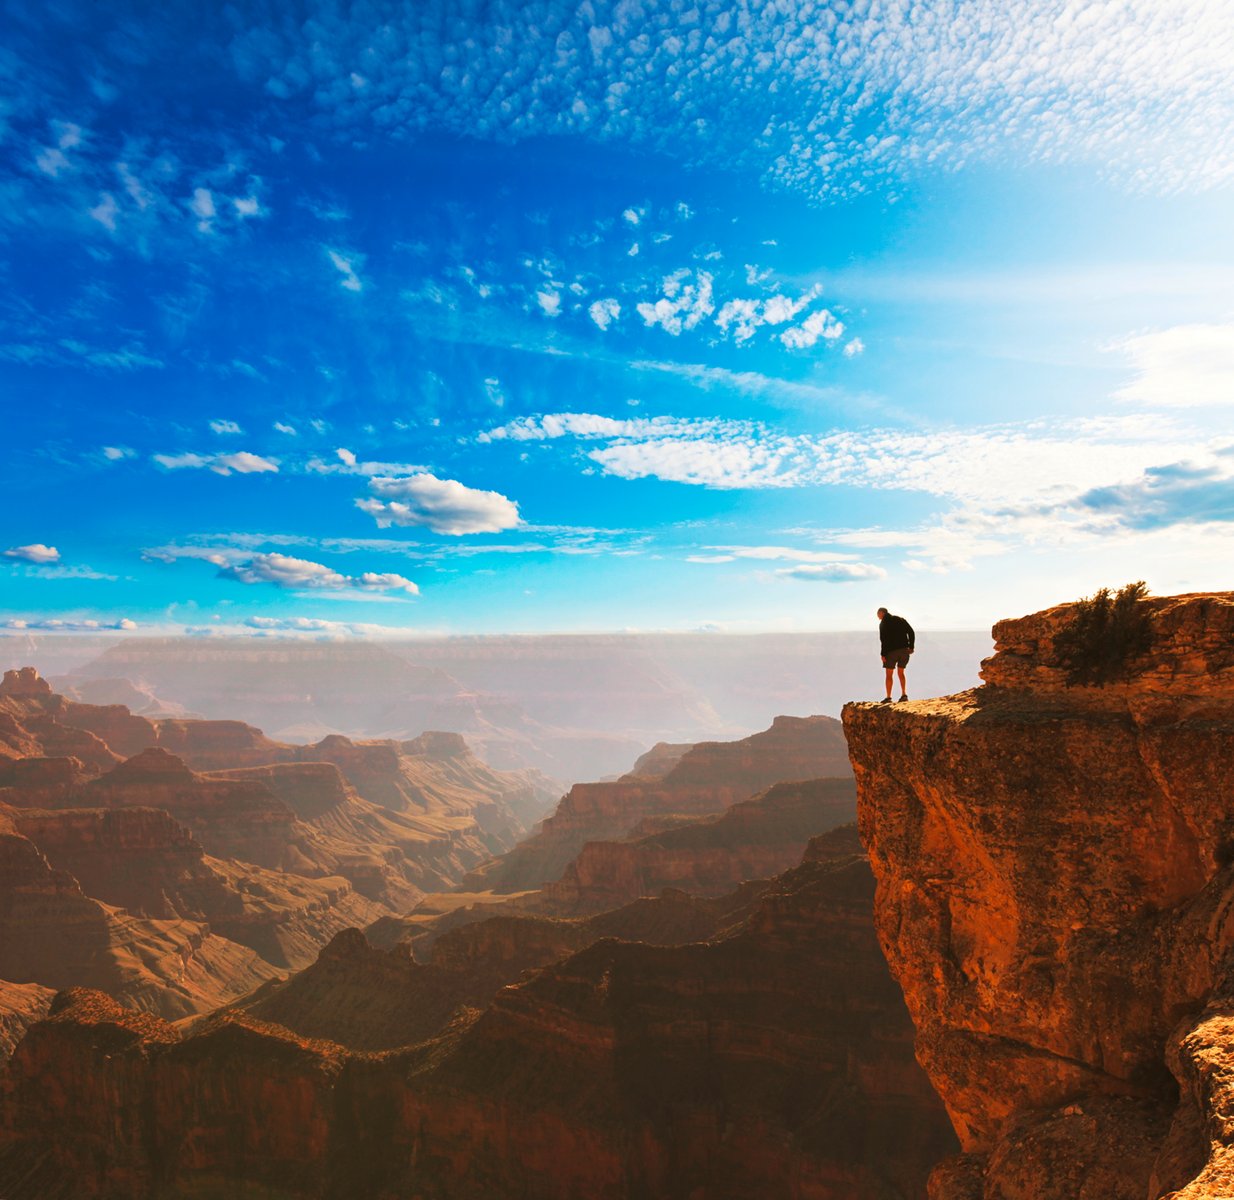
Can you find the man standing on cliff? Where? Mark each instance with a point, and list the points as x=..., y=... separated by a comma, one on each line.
x=896, y=641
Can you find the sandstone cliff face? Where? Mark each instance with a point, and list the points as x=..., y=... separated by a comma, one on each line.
x=1056, y=899
x=774, y=1062
x=705, y=779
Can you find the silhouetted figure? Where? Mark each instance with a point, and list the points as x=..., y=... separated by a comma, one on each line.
x=896, y=641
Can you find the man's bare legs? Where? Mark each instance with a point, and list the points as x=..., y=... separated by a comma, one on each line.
x=891, y=674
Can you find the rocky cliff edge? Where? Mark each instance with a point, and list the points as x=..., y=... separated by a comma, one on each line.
x=1055, y=896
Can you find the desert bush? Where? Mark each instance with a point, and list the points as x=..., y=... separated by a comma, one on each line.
x=1106, y=633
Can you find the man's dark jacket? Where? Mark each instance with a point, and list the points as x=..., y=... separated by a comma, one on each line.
x=895, y=633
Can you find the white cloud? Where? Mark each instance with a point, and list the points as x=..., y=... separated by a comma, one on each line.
x=604, y=312
x=992, y=466
x=287, y=572
x=57, y=625
x=549, y=302
x=241, y=463
x=779, y=553
x=820, y=324
x=349, y=464
x=834, y=572
x=247, y=206
x=1182, y=367
x=36, y=552
x=350, y=280
x=219, y=425
x=744, y=316
x=283, y=427
x=1140, y=90
x=51, y=161
x=854, y=347
x=202, y=207
x=106, y=211
x=117, y=453
x=686, y=300
x=442, y=505
x=632, y=216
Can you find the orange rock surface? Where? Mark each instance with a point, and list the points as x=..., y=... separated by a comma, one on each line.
x=1055, y=896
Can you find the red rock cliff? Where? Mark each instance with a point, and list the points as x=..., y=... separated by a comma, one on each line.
x=1055, y=894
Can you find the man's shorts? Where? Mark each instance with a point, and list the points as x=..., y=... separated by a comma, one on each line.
x=897, y=658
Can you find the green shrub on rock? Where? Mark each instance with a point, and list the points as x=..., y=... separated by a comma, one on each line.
x=1107, y=632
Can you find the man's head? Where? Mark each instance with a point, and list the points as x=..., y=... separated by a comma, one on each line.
x=882, y=612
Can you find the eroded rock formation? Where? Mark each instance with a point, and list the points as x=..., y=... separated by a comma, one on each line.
x=1056, y=898
x=753, y=839
x=706, y=778
x=52, y=933
x=773, y=1061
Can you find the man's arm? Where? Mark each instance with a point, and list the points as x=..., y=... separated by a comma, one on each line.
x=912, y=637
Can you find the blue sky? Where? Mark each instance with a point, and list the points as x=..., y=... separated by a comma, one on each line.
x=321, y=319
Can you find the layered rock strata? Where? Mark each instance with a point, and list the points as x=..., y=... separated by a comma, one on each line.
x=52, y=933
x=753, y=839
x=1055, y=896
x=705, y=779
x=775, y=1061
x=144, y=861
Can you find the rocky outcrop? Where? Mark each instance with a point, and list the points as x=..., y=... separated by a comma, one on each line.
x=25, y=683
x=773, y=1062
x=753, y=839
x=706, y=779
x=1055, y=892
x=21, y=1004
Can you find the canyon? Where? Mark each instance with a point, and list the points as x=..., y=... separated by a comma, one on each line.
x=775, y=1059
x=177, y=890
x=1010, y=979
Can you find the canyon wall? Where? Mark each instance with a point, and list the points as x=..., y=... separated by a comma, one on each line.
x=1056, y=899
x=704, y=779
x=775, y=1060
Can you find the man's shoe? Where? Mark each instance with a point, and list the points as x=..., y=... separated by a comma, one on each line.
x=886, y=701
x=902, y=698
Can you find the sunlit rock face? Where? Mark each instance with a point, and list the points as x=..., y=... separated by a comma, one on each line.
x=706, y=778
x=1056, y=900
x=771, y=1059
